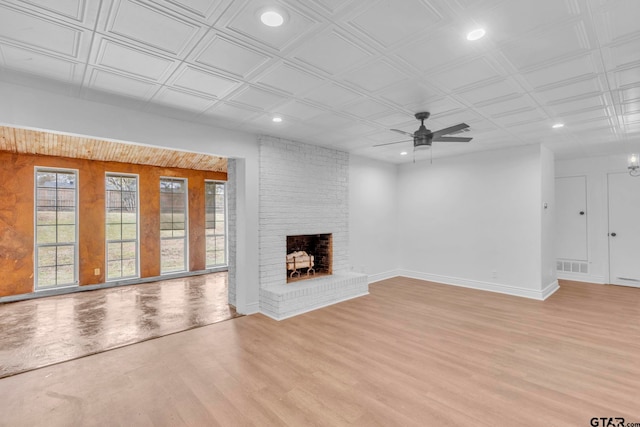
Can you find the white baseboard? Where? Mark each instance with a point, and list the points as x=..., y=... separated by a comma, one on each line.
x=484, y=286
x=577, y=277
x=550, y=289
x=383, y=276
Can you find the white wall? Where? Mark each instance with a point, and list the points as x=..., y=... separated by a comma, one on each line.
x=373, y=218
x=595, y=169
x=547, y=176
x=458, y=220
x=474, y=220
x=232, y=231
x=24, y=106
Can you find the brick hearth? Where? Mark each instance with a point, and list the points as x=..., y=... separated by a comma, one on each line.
x=283, y=301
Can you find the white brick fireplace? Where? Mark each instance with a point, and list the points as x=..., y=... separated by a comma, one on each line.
x=303, y=191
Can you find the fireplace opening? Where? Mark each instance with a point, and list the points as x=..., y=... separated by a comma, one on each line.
x=309, y=256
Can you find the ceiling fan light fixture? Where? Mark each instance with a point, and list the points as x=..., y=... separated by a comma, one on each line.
x=558, y=125
x=476, y=34
x=272, y=18
x=633, y=164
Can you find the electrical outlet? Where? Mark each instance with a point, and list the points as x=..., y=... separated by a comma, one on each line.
x=494, y=274
x=96, y=271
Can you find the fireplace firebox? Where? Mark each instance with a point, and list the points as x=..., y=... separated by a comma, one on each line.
x=309, y=256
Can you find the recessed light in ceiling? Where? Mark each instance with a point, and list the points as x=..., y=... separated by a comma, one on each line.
x=404, y=153
x=277, y=119
x=271, y=18
x=476, y=34
x=558, y=125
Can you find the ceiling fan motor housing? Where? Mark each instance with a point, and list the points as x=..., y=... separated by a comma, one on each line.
x=421, y=138
x=422, y=141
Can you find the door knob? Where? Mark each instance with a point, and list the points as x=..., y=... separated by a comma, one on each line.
x=581, y=212
x=613, y=234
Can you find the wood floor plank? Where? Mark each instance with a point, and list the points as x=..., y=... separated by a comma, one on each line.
x=410, y=353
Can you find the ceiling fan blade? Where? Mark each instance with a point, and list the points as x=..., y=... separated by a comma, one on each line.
x=451, y=139
x=402, y=132
x=450, y=129
x=391, y=143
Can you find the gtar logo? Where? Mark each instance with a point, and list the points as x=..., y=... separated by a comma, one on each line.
x=607, y=422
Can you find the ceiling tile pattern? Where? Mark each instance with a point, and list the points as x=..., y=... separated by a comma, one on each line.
x=342, y=72
x=388, y=22
x=229, y=56
x=129, y=59
x=17, y=26
x=331, y=53
x=243, y=19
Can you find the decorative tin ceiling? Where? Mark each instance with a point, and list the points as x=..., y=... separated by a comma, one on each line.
x=341, y=73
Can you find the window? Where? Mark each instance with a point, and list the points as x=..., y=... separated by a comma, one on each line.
x=121, y=201
x=56, y=233
x=173, y=225
x=215, y=205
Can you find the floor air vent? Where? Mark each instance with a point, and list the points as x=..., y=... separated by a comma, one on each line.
x=572, y=266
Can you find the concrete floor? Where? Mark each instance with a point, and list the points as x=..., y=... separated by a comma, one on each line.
x=45, y=331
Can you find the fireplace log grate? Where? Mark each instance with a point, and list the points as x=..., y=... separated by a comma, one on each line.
x=299, y=260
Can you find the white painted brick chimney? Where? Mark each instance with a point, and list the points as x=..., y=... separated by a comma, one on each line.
x=304, y=189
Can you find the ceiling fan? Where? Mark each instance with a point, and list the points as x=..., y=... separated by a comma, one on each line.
x=423, y=137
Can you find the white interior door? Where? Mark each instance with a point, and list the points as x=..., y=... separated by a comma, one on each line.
x=571, y=218
x=624, y=230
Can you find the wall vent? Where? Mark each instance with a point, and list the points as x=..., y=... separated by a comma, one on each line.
x=572, y=266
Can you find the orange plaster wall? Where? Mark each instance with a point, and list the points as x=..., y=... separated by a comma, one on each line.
x=17, y=216
x=197, y=240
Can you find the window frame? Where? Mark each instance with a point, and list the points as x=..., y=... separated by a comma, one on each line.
x=226, y=224
x=137, y=240
x=185, y=238
x=75, y=244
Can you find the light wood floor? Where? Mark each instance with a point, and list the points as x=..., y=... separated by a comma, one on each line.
x=411, y=353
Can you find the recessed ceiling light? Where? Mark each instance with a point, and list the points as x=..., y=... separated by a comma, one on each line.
x=476, y=34
x=558, y=125
x=271, y=18
x=277, y=119
x=404, y=153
